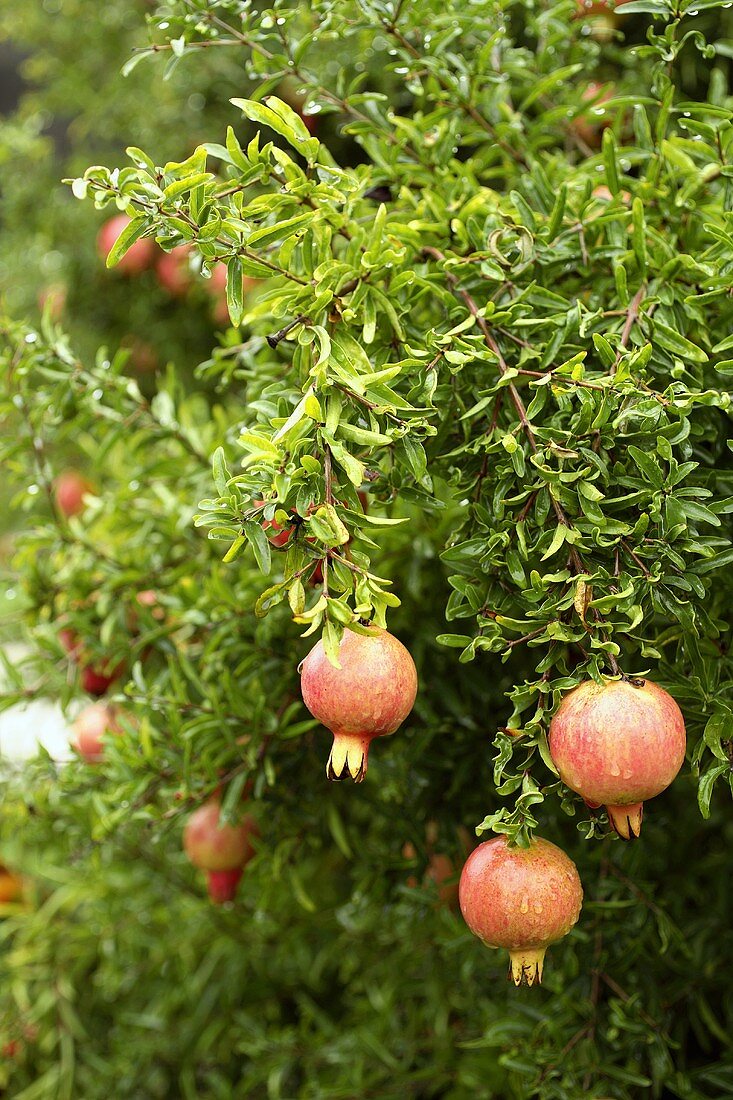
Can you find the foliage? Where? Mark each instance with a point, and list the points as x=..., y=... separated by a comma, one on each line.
x=482, y=379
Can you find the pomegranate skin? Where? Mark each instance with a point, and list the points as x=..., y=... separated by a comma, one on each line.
x=173, y=271
x=369, y=696
x=222, y=885
x=96, y=682
x=214, y=847
x=522, y=899
x=618, y=744
x=69, y=489
x=90, y=728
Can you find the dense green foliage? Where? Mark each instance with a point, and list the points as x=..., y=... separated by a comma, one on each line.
x=525, y=379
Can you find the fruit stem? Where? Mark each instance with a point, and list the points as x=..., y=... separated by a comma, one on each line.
x=527, y=965
x=626, y=820
x=348, y=757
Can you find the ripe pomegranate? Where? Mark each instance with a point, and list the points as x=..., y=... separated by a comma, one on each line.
x=173, y=271
x=138, y=257
x=11, y=887
x=220, y=850
x=69, y=489
x=617, y=744
x=369, y=696
x=90, y=727
x=97, y=680
x=523, y=899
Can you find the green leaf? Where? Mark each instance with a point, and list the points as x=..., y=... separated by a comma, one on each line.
x=283, y=120
x=235, y=300
x=260, y=544
x=131, y=233
x=706, y=785
x=673, y=341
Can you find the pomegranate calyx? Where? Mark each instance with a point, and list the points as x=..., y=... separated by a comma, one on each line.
x=348, y=758
x=626, y=820
x=527, y=964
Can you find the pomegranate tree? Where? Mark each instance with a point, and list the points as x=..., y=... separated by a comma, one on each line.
x=221, y=850
x=523, y=899
x=618, y=743
x=368, y=696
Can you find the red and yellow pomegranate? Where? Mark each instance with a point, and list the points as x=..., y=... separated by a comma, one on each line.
x=222, y=851
x=617, y=744
x=90, y=728
x=523, y=899
x=369, y=696
x=69, y=489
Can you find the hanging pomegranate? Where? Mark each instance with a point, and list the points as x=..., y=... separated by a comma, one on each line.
x=617, y=744
x=369, y=696
x=523, y=899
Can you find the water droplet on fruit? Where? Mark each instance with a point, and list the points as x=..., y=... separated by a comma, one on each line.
x=537, y=907
x=524, y=907
x=615, y=770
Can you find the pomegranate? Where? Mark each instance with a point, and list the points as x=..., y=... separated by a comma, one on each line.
x=97, y=679
x=523, y=899
x=220, y=850
x=138, y=257
x=369, y=696
x=89, y=729
x=69, y=489
x=617, y=744
x=173, y=271
x=222, y=885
